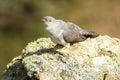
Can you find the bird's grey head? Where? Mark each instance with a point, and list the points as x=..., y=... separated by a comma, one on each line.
x=48, y=20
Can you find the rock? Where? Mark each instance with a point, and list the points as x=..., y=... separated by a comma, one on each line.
x=93, y=59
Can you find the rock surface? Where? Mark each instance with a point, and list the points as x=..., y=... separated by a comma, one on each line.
x=92, y=59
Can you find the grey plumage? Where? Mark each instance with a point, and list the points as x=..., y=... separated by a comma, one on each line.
x=62, y=32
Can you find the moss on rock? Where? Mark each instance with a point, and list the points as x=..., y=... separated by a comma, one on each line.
x=92, y=59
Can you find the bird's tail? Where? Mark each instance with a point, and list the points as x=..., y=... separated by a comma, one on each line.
x=90, y=34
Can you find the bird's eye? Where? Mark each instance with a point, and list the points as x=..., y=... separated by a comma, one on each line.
x=49, y=20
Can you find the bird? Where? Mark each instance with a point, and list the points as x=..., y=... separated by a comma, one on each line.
x=65, y=33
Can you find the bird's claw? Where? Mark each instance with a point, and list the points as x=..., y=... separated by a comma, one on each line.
x=57, y=46
x=67, y=48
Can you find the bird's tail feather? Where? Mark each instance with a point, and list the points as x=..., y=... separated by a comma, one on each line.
x=91, y=34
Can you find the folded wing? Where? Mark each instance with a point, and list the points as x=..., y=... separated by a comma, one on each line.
x=74, y=33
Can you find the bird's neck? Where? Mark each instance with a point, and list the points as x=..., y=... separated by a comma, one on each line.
x=56, y=26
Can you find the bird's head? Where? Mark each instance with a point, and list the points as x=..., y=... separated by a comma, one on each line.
x=48, y=20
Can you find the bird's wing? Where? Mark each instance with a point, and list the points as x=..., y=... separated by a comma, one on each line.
x=85, y=33
x=71, y=33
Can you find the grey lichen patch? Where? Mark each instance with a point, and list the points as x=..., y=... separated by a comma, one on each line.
x=42, y=43
x=102, y=45
x=93, y=59
x=40, y=46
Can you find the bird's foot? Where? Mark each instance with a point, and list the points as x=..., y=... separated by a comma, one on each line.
x=57, y=46
x=67, y=48
x=60, y=48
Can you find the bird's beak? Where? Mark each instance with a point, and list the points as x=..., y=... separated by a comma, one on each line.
x=43, y=20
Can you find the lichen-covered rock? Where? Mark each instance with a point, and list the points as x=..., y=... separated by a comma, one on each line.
x=92, y=59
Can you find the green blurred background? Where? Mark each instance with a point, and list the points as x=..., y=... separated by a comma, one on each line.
x=20, y=21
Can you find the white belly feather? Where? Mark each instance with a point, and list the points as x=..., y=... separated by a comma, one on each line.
x=56, y=35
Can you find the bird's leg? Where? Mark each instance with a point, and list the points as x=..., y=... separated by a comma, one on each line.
x=57, y=46
x=67, y=47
